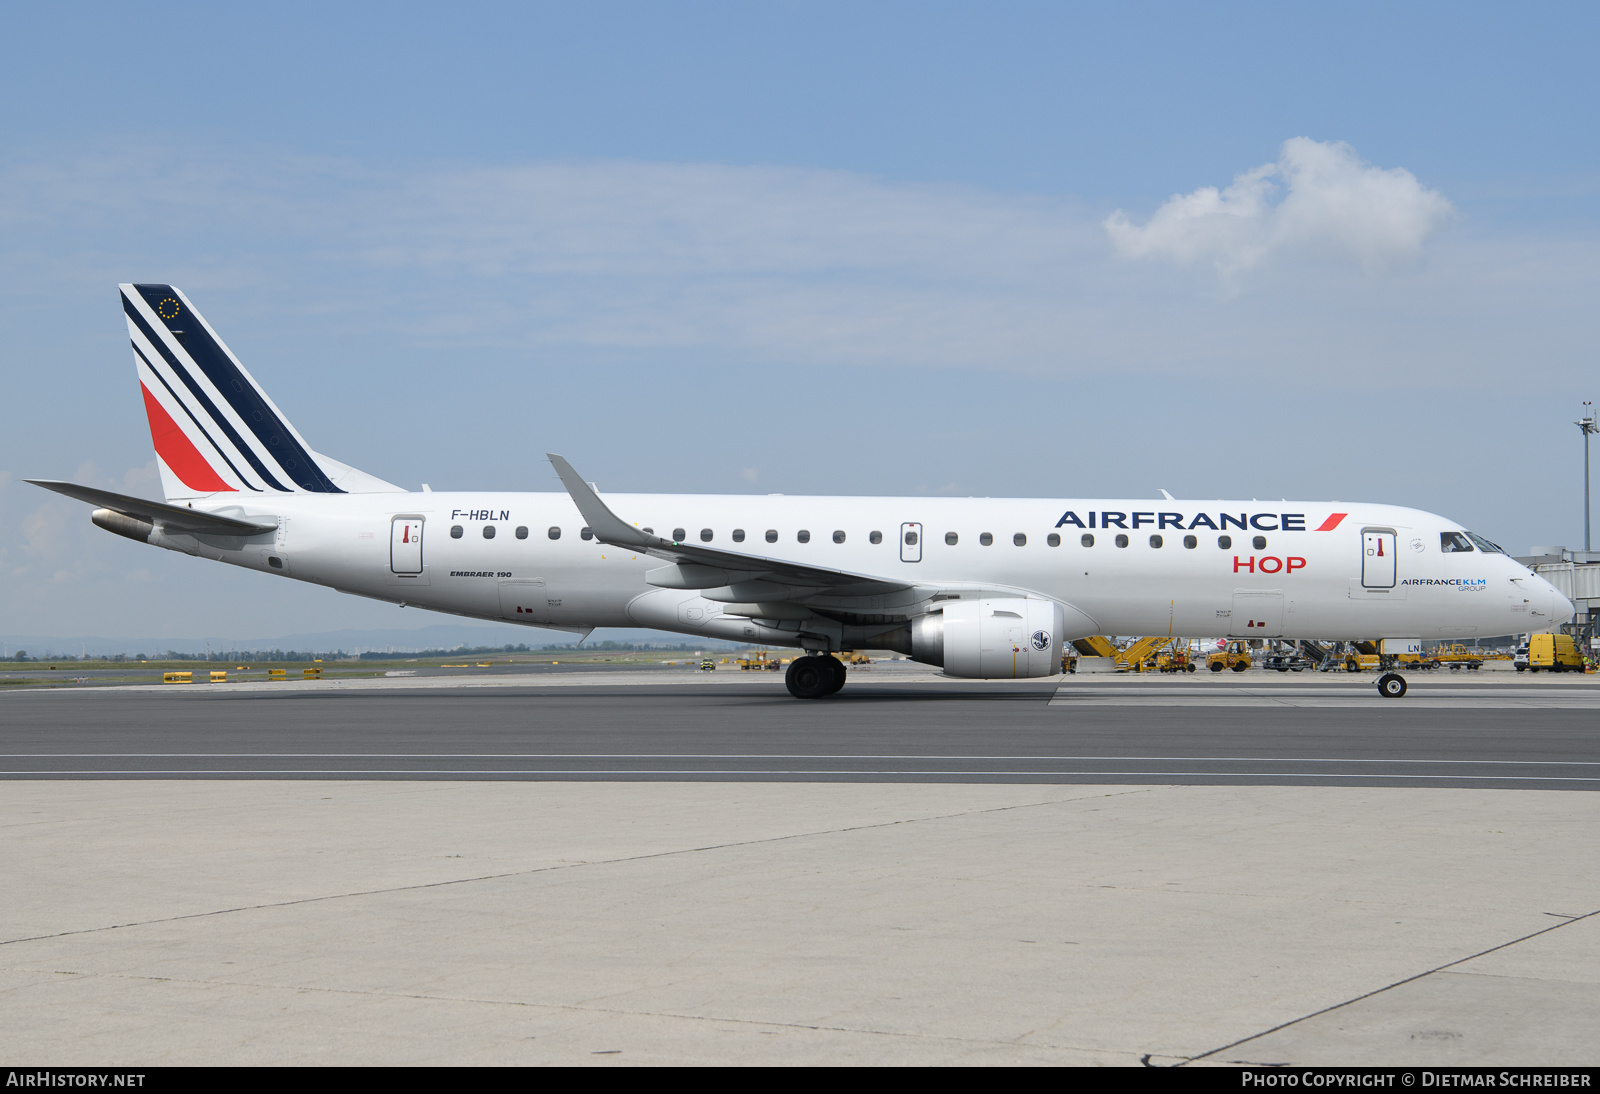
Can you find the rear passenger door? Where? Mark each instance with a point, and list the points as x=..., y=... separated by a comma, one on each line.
x=405, y=545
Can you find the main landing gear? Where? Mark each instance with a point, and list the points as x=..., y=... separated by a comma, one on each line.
x=814, y=676
x=1391, y=685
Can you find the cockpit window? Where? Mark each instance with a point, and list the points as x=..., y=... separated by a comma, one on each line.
x=1450, y=542
x=1485, y=546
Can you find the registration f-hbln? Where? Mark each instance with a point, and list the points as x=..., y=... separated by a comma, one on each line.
x=987, y=588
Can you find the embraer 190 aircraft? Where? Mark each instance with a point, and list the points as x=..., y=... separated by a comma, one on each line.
x=987, y=588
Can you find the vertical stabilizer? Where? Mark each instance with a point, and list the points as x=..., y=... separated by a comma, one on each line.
x=215, y=430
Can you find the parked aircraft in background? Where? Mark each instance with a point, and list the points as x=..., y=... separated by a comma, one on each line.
x=987, y=588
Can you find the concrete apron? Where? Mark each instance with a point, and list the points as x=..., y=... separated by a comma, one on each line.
x=285, y=922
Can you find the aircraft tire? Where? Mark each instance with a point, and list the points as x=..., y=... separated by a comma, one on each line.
x=840, y=674
x=1391, y=685
x=810, y=677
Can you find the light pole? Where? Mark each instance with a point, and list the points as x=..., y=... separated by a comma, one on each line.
x=1587, y=424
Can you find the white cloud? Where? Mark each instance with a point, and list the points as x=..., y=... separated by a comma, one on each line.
x=1334, y=203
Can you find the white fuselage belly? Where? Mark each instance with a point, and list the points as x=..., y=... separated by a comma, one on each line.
x=1304, y=582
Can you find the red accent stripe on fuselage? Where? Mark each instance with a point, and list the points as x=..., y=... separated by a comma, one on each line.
x=177, y=451
x=1332, y=522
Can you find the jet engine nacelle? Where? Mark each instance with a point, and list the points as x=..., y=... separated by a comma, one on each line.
x=991, y=639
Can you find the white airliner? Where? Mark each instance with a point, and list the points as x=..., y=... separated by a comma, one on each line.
x=987, y=588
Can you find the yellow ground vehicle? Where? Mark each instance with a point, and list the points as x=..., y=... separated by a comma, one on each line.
x=708, y=665
x=1554, y=653
x=1457, y=657
x=1235, y=657
x=1139, y=656
x=1175, y=661
x=1364, y=655
x=759, y=663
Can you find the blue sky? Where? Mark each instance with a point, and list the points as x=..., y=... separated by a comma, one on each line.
x=802, y=248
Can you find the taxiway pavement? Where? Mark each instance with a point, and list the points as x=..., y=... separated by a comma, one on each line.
x=897, y=725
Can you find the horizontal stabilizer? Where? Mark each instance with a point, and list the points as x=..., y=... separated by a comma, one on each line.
x=174, y=517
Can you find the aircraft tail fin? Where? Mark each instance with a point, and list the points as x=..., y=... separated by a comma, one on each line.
x=215, y=430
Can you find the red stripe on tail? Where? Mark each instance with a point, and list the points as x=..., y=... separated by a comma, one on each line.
x=1332, y=522
x=177, y=451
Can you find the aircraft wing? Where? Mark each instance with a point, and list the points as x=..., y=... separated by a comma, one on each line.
x=708, y=567
x=175, y=517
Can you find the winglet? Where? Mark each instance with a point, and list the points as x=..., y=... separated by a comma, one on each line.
x=606, y=525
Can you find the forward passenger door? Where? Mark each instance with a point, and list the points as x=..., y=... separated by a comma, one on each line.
x=1377, y=559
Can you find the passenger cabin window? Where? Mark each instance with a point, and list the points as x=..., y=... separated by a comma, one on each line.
x=951, y=539
x=679, y=535
x=772, y=535
x=1155, y=541
x=838, y=537
x=585, y=534
x=705, y=535
x=738, y=535
x=1260, y=543
x=522, y=531
x=875, y=537
x=1122, y=541
x=1190, y=542
x=1019, y=540
x=488, y=531
x=986, y=539
x=803, y=536
x=1225, y=542
x=1451, y=542
x=554, y=533
x=1053, y=539
x=1087, y=539
x=455, y=531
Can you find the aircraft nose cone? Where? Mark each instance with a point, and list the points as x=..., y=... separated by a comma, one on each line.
x=1562, y=609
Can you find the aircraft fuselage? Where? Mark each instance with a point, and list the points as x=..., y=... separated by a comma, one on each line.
x=1378, y=571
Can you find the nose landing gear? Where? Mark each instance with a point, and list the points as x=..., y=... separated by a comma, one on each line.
x=814, y=677
x=1391, y=685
